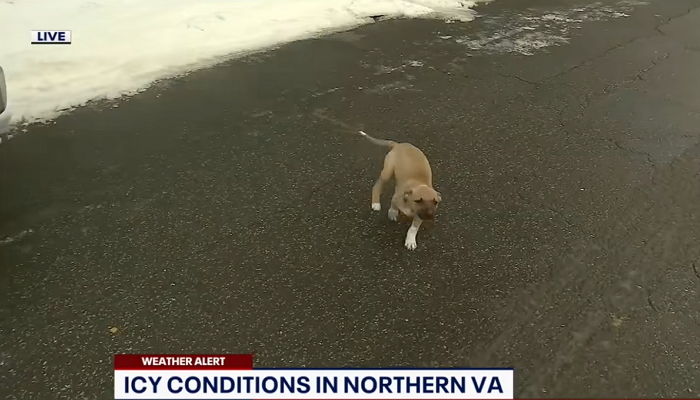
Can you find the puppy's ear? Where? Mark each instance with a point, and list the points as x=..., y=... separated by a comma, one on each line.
x=406, y=194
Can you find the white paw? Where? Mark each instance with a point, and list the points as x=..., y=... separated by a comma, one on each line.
x=411, y=243
x=376, y=206
x=393, y=214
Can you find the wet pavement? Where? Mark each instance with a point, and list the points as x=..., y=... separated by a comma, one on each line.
x=228, y=211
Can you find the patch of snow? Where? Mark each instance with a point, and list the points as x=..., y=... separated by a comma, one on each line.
x=122, y=46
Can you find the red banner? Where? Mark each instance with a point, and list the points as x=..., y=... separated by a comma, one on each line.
x=183, y=361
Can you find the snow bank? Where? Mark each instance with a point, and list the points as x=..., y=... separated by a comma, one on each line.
x=120, y=46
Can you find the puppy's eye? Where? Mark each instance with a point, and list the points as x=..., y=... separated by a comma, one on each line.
x=435, y=201
x=418, y=201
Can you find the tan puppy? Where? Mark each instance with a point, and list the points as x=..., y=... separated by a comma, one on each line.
x=414, y=195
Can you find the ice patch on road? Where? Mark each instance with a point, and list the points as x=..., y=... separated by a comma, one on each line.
x=383, y=69
x=16, y=237
x=522, y=40
x=392, y=86
x=122, y=46
x=534, y=30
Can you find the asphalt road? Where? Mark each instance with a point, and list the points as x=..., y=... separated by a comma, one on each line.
x=227, y=211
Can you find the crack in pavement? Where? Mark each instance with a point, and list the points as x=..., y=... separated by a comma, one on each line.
x=534, y=83
x=647, y=156
x=588, y=61
x=607, y=51
x=671, y=19
x=650, y=301
x=612, y=87
x=654, y=63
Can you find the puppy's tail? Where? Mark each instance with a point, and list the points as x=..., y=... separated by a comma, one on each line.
x=380, y=142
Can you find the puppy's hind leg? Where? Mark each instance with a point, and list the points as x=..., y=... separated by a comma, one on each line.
x=411, y=234
x=384, y=177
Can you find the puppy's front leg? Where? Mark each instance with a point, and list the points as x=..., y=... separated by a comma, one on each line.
x=384, y=177
x=376, y=194
x=393, y=213
x=412, y=231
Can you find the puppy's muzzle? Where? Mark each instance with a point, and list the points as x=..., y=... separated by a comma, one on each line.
x=426, y=215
